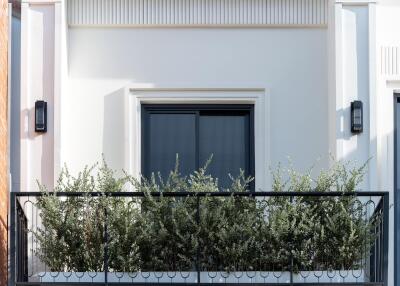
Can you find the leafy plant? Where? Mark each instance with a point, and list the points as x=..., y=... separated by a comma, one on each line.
x=161, y=232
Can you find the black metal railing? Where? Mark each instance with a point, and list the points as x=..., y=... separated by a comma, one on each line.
x=268, y=238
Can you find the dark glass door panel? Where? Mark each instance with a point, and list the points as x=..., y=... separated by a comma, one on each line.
x=225, y=137
x=170, y=134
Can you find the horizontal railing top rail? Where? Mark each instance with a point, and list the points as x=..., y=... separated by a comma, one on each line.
x=204, y=194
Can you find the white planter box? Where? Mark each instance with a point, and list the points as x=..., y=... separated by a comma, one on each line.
x=205, y=277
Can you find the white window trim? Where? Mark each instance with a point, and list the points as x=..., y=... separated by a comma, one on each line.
x=135, y=96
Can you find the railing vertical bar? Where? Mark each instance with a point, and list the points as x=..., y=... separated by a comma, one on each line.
x=385, y=239
x=380, y=247
x=105, y=247
x=291, y=244
x=11, y=280
x=377, y=253
x=198, y=241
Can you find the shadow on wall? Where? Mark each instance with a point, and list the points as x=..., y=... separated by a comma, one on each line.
x=47, y=148
x=114, y=130
x=355, y=145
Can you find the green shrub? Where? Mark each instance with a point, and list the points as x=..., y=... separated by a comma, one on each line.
x=165, y=233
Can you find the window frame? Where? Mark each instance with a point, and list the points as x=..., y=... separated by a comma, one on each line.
x=149, y=108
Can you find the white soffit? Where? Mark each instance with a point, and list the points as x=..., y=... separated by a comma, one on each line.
x=149, y=13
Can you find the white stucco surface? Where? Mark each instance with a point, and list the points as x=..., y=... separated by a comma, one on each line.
x=309, y=100
x=290, y=63
x=355, y=80
x=37, y=83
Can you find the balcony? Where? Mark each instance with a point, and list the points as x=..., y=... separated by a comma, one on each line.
x=138, y=238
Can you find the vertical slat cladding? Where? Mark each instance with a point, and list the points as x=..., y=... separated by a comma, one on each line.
x=109, y=12
x=198, y=12
x=263, y=10
x=105, y=12
x=189, y=12
x=225, y=11
x=274, y=6
x=96, y=14
x=75, y=11
x=285, y=14
x=387, y=61
x=103, y=19
x=90, y=12
x=69, y=14
x=397, y=60
x=307, y=12
x=153, y=12
x=280, y=12
x=179, y=16
x=114, y=11
x=294, y=12
x=390, y=60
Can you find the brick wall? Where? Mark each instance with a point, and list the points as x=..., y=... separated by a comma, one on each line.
x=3, y=139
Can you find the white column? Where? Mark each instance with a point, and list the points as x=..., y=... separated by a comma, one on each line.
x=352, y=46
x=40, y=80
x=353, y=75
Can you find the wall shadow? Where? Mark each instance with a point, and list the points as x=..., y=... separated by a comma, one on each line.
x=114, y=137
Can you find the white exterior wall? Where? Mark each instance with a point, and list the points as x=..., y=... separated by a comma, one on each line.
x=290, y=63
x=310, y=66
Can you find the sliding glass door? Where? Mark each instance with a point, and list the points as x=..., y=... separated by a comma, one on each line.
x=195, y=133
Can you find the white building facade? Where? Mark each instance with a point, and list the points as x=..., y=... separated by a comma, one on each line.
x=300, y=63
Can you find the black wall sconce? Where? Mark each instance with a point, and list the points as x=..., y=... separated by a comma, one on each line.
x=41, y=116
x=356, y=116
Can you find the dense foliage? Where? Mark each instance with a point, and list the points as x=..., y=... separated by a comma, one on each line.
x=161, y=233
